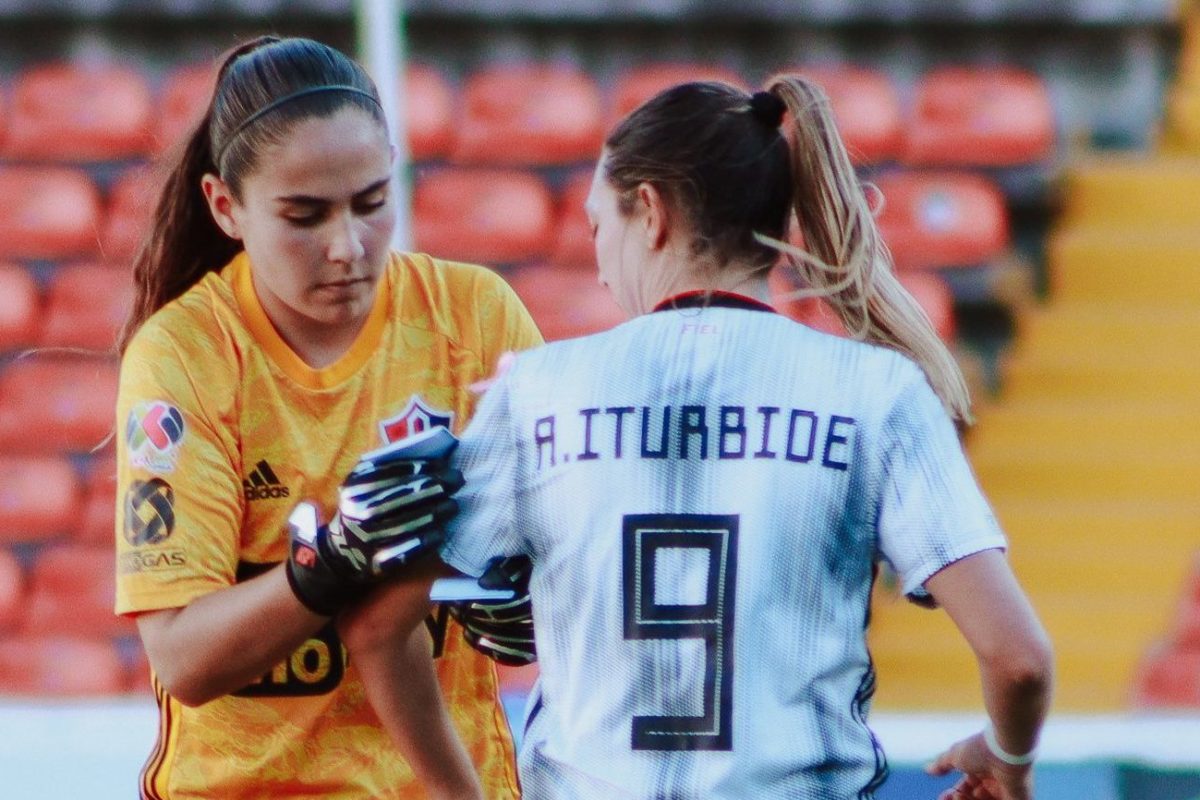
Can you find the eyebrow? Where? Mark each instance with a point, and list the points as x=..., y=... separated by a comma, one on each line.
x=309, y=200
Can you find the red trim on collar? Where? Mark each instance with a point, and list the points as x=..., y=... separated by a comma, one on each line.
x=703, y=298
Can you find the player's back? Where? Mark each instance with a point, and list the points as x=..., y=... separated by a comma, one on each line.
x=699, y=489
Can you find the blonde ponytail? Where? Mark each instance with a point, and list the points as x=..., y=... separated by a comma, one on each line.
x=846, y=262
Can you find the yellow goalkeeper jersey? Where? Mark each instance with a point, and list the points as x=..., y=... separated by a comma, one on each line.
x=222, y=430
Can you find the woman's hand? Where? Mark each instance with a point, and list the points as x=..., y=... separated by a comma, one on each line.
x=985, y=776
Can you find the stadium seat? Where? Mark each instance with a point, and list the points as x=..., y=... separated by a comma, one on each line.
x=129, y=212
x=573, y=245
x=96, y=513
x=487, y=216
x=71, y=591
x=86, y=306
x=20, y=308
x=57, y=405
x=932, y=220
x=932, y=294
x=12, y=590
x=565, y=303
x=993, y=117
x=39, y=497
x=182, y=101
x=866, y=106
x=639, y=84
x=77, y=113
x=429, y=112
x=60, y=666
x=47, y=213
x=1168, y=678
x=529, y=115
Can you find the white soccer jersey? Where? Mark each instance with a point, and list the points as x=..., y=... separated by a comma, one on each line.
x=704, y=493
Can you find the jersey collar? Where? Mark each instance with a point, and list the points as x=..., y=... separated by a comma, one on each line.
x=705, y=298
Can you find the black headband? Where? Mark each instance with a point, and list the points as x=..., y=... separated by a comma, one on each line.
x=287, y=98
x=768, y=108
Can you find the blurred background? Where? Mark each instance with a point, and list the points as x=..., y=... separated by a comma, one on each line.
x=1040, y=163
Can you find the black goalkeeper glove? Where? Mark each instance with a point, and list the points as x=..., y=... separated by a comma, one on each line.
x=389, y=514
x=501, y=629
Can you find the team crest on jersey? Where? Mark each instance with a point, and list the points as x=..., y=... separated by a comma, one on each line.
x=154, y=433
x=415, y=417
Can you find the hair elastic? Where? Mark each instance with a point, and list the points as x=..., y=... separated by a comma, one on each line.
x=989, y=738
x=768, y=107
x=287, y=98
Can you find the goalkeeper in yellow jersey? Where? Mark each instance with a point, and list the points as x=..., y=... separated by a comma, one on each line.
x=274, y=338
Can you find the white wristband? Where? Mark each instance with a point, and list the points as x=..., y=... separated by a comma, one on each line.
x=989, y=738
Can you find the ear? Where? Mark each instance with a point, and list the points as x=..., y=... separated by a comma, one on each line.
x=655, y=219
x=220, y=204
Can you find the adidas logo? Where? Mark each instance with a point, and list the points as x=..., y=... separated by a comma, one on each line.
x=264, y=484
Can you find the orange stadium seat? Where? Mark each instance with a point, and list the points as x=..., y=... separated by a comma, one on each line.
x=429, y=112
x=942, y=220
x=487, y=216
x=60, y=666
x=565, y=303
x=47, y=213
x=12, y=590
x=74, y=112
x=866, y=106
x=39, y=497
x=529, y=115
x=639, y=84
x=182, y=101
x=20, y=307
x=573, y=246
x=129, y=212
x=96, y=514
x=71, y=591
x=57, y=405
x=987, y=116
x=86, y=305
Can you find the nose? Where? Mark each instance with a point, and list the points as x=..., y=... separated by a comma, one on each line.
x=345, y=243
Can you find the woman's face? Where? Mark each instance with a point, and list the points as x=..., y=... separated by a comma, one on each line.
x=316, y=218
x=620, y=250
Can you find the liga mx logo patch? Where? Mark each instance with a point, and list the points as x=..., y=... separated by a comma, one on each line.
x=415, y=417
x=154, y=432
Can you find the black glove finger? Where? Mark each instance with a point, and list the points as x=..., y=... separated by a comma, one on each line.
x=507, y=612
x=510, y=655
x=508, y=572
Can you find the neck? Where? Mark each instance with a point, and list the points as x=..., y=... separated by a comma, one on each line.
x=731, y=278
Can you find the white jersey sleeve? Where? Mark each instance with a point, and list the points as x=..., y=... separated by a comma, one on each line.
x=932, y=512
x=485, y=525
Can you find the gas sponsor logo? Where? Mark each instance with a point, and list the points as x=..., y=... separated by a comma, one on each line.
x=151, y=561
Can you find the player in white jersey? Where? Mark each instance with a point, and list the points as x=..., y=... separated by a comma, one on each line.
x=704, y=491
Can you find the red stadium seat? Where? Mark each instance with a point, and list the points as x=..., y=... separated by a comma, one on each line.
x=71, y=592
x=565, y=303
x=47, y=213
x=866, y=107
x=1168, y=678
x=182, y=101
x=487, y=216
x=529, y=115
x=60, y=666
x=86, y=305
x=986, y=116
x=573, y=245
x=930, y=291
x=96, y=514
x=12, y=590
x=129, y=212
x=70, y=112
x=57, y=405
x=429, y=112
x=641, y=83
x=20, y=308
x=39, y=497
x=942, y=220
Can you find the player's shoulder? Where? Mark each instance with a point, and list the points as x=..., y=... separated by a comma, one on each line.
x=441, y=276
x=198, y=320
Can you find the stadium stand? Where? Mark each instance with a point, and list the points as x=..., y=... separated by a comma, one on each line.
x=638, y=84
x=127, y=214
x=573, y=246
x=47, y=212
x=86, y=305
x=20, y=307
x=565, y=303
x=39, y=497
x=57, y=404
x=866, y=106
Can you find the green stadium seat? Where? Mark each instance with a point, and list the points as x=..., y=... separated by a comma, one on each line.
x=483, y=215
x=79, y=113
